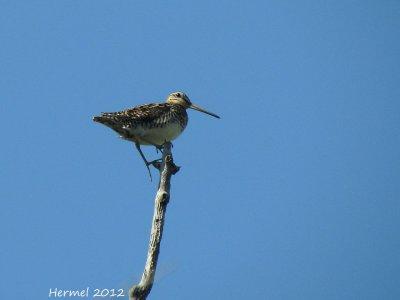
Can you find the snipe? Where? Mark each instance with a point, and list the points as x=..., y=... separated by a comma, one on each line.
x=152, y=124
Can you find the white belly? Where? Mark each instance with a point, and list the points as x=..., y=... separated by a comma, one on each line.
x=157, y=135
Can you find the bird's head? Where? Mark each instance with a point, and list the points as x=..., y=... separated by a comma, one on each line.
x=180, y=98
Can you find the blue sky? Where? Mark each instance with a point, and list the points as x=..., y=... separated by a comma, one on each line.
x=293, y=194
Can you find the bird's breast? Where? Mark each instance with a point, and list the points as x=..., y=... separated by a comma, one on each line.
x=157, y=135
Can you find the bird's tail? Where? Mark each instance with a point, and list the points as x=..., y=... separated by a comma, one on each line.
x=106, y=118
x=111, y=120
x=99, y=119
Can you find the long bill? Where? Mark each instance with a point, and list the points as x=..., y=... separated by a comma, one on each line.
x=198, y=108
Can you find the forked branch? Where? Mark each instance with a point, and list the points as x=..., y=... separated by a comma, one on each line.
x=167, y=168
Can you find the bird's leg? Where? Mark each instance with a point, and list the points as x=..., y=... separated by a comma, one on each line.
x=159, y=148
x=144, y=159
x=165, y=141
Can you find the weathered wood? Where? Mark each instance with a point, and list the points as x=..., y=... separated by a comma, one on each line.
x=167, y=168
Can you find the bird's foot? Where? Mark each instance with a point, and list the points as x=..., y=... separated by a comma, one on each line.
x=159, y=148
x=155, y=163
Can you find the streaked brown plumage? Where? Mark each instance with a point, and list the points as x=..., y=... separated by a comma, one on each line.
x=136, y=124
x=152, y=124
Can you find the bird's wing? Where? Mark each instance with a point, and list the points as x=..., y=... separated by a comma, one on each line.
x=150, y=115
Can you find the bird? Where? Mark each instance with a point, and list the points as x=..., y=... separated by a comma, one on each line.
x=152, y=124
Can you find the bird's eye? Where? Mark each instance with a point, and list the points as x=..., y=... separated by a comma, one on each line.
x=178, y=95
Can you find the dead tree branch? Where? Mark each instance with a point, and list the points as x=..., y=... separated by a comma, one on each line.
x=167, y=168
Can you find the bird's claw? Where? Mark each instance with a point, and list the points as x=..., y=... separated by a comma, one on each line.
x=155, y=163
x=159, y=148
